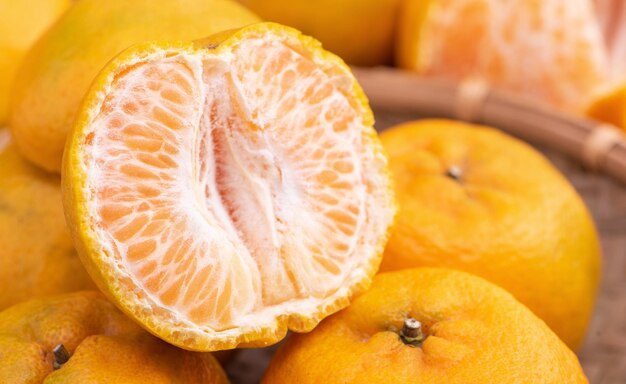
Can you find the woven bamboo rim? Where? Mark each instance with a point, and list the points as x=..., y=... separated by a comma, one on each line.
x=599, y=146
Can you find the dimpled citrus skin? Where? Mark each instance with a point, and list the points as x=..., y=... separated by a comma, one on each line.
x=37, y=256
x=475, y=333
x=104, y=345
x=21, y=23
x=58, y=70
x=510, y=218
x=360, y=32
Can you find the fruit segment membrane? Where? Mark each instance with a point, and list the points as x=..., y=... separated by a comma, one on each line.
x=551, y=50
x=236, y=187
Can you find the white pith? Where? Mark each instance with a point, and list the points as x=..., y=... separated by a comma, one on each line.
x=280, y=220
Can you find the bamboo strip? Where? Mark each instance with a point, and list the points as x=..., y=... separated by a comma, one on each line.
x=400, y=91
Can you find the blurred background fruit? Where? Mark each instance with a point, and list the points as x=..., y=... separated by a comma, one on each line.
x=567, y=54
x=471, y=332
x=609, y=103
x=21, y=23
x=104, y=346
x=612, y=18
x=37, y=256
x=474, y=199
x=361, y=32
x=549, y=50
x=57, y=71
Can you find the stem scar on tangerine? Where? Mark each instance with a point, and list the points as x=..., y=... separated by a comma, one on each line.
x=454, y=172
x=61, y=356
x=411, y=333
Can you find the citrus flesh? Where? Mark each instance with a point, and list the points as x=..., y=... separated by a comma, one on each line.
x=475, y=199
x=609, y=103
x=37, y=256
x=472, y=332
x=224, y=191
x=21, y=23
x=104, y=346
x=58, y=70
x=550, y=51
x=612, y=19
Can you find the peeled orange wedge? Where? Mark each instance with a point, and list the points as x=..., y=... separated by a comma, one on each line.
x=548, y=50
x=224, y=191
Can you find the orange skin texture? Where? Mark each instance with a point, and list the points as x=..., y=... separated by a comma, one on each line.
x=360, y=32
x=475, y=333
x=37, y=257
x=57, y=71
x=21, y=23
x=511, y=219
x=104, y=345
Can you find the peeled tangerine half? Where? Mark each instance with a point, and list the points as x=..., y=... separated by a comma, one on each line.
x=224, y=191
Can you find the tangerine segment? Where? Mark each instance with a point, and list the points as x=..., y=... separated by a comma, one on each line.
x=545, y=49
x=222, y=195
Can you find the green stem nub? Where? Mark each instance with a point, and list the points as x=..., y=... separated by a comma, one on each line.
x=61, y=356
x=411, y=333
